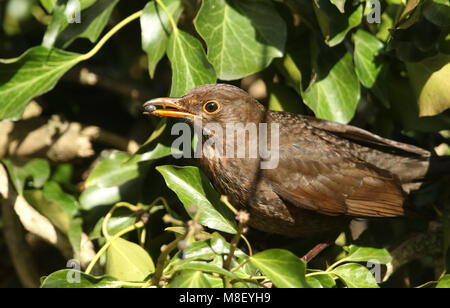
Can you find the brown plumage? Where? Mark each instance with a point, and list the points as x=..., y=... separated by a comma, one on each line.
x=327, y=172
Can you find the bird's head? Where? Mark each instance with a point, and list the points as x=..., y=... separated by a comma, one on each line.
x=210, y=103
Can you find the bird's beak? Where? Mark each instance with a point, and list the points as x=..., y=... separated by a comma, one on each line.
x=175, y=109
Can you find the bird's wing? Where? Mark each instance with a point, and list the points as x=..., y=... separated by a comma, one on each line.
x=358, y=134
x=315, y=175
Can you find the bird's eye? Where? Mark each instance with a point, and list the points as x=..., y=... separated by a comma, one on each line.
x=211, y=107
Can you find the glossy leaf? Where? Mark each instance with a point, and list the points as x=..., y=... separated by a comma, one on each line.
x=48, y=4
x=335, y=91
x=118, y=177
x=128, y=261
x=430, y=80
x=206, y=268
x=242, y=36
x=64, y=13
x=438, y=12
x=156, y=29
x=334, y=24
x=77, y=279
x=190, y=279
x=75, y=235
x=34, y=73
x=194, y=189
x=355, y=276
x=321, y=281
x=368, y=63
x=367, y=254
x=53, y=192
x=282, y=267
x=34, y=173
x=190, y=67
x=444, y=282
x=93, y=21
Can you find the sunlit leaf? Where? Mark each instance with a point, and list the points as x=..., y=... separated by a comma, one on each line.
x=282, y=267
x=190, y=279
x=355, y=276
x=190, y=67
x=34, y=73
x=430, y=80
x=156, y=29
x=321, y=281
x=242, y=36
x=194, y=189
x=335, y=92
x=128, y=261
x=34, y=173
x=77, y=279
x=444, y=282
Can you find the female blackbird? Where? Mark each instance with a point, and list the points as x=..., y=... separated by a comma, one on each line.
x=326, y=173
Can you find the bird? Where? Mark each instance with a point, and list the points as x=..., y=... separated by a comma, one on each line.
x=327, y=173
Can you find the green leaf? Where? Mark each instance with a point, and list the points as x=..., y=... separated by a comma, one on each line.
x=63, y=174
x=121, y=219
x=282, y=267
x=355, y=276
x=49, y=209
x=48, y=5
x=156, y=28
x=335, y=92
x=334, y=24
x=93, y=20
x=438, y=12
x=75, y=235
x=242, y=36
x=368, y=64
x=340, y=4
x=321, y=281
x=53, y=192
x=128, y=261
x=206, y=268
x=366, y=254
x=190, y=279
x=63, y=13
x=34, y=73
x=444, y=282
x=69, y=279
x=430, y=80
x=34, y=173
x=194, y=189
x=190, y=67
x=118, y=177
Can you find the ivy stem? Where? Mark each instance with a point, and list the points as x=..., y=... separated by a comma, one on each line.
x=162, y=259
x=108, y=35
x=138, y=225
x=172, y=21
x=108, y=216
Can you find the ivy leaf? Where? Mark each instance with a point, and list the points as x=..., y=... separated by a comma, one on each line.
x=438, y=12
x=190, y=67
x=53, y=192
x=93, y=20
x=156, y=28
x=191, y=279
x=36, y=171
x=340, y=4
x=75, y=235
x=206, y=268
x=194, y=189
x=48, y=5
x=321, y=281
x=444, y=282
x=430, y=80
x=242, y=36
x=367, y=254
x=128, y=261
x=77, y=279
x=368, y=65
x=335, y=25
x=355, y=276
x=335, y=90
x=34, y=73
x=282, y=267
x=63, y=12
